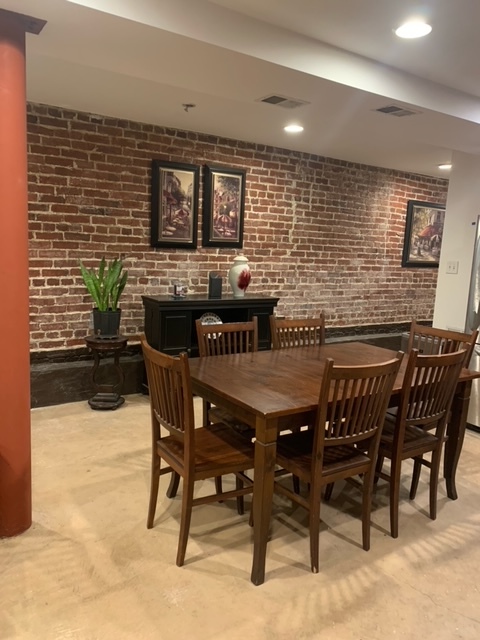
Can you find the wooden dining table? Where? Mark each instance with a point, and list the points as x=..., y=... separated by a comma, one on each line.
x=276, y=390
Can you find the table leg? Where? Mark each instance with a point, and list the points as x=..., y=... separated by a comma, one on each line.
x=456, y=435
x=264, y=473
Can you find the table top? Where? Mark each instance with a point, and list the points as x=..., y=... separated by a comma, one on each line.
x=281, y=382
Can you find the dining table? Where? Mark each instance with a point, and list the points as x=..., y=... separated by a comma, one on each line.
x=278, y=390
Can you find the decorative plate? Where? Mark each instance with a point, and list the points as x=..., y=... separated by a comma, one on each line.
x=210, y=318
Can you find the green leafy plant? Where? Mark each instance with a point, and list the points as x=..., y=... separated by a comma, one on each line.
x=105, y=285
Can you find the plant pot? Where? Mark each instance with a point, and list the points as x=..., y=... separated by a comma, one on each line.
x=106, y=323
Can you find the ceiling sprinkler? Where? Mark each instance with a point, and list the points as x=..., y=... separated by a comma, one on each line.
x=188, y=105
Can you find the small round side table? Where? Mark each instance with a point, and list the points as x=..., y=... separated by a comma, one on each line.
x=107, y=396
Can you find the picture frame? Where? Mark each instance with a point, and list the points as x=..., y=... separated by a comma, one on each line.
x=174, y=210
x=423, y=234
x=223, y=207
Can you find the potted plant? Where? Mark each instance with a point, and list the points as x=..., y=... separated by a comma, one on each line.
x=105, y=285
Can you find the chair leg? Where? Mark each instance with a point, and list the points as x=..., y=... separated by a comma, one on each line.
x=328, y=491
x=296, y=484
x=368, y=479
x=205, y=409
x=417, y=468
x=187, y=500
x=314, y=526
x=218, y=485
x=394, y=497
x=378, y=468
x=154, y=482
x=173, y=486
x=240, y=502
x=434, y=472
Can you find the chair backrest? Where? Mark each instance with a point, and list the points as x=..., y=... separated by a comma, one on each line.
x=171, y=398
x=230, y=337
x=428, y=389
x=432, y=341
x=352, y=404
x=297, y=333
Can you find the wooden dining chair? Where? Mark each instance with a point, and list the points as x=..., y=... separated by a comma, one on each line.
x=223, y=339
x=344, y=442
x=419, y=424
x=431, y=341
x=297, y=332
x=190, y=453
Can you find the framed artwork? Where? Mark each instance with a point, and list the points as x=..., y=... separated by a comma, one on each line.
x=223, y=207
x=174, y=217
x=423, y=234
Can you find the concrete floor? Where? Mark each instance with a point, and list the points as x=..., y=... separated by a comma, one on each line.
x=89, y=569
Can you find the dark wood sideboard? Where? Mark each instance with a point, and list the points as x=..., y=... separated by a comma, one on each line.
x=170, y=321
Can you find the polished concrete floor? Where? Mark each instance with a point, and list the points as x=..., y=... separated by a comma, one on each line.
x=89, y=569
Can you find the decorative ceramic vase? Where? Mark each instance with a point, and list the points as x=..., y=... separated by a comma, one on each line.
x=239, y=276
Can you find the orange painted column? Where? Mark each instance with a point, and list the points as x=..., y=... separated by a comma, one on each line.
x=15, y=469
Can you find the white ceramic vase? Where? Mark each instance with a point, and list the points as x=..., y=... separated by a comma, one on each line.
x=239, y=276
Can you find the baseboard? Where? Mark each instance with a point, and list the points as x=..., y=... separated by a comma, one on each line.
x=66, y=376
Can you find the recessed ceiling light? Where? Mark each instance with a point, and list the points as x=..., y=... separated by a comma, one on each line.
x=413, y=29
x=293, y=128
x=445, y=166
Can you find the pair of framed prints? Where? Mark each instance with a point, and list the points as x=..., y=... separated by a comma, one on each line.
x=175, y=206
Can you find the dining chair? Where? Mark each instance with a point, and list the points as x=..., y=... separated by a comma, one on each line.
x=223, y=339
x=344, y=441
x=431, y=341
x=297, y=332
x=287, y=333
x=190, y=453
x=419, y=424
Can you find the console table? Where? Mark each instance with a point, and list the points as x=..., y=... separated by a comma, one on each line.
x=170, y=321
x=107, y=396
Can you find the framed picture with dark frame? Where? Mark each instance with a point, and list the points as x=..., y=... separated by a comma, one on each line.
x=223, y=207
x=174, y=216
x=423, y=234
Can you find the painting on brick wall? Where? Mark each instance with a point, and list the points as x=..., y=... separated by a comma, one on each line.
x=223, y=207
x=423, y=234
x=174, y=218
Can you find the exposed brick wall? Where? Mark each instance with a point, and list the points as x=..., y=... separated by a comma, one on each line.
x=319, y=233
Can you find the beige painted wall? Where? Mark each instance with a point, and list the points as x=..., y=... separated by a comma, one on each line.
x=463, y=209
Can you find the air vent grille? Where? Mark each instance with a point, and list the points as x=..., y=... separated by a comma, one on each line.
x=283, y=101
x=395, y=110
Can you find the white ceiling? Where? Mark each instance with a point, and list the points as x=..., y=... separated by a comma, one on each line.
x=143, y=59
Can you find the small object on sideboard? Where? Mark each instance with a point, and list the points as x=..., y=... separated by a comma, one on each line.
x=214, y=285
x=180, y=290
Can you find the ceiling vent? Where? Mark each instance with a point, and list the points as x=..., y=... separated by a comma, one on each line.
x=283, y=101
x=395, y=110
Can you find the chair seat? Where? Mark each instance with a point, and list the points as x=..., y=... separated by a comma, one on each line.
x=414, y=438
x=294, y=452
x=215, y=445
x=217, y=414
